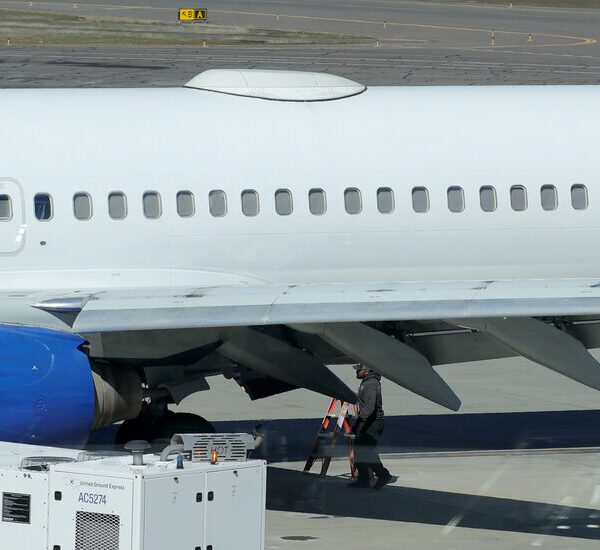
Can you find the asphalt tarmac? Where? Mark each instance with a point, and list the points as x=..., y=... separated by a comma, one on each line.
x=90, y=66
x=459, y=503
x=517, y=467
x=506, y=404
x=406, y=44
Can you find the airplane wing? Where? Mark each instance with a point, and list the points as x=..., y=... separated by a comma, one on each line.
x=265, y=332
x=277, y=304
x=505, y=312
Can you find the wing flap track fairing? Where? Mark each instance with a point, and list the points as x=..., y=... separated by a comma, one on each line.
x=543, y=343
x=389, y=357
x=278, y=359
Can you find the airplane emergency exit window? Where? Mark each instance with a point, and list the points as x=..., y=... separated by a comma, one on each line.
x=518, y=198
x=487, y=198
x=352, y=200
x=152, y=206
x=317, y=202
x=385, y=200
x=549, y=197
x=43, y=206
x=456, y=199
x=82, y=206
x=579, y=196
x=185, y=204
x=250, y=202
x=420, y=199
x=217, y=203
x=283, y=202
x=5, y=208
x=117, y=206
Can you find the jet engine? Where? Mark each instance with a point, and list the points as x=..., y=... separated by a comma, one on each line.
x=51, y=393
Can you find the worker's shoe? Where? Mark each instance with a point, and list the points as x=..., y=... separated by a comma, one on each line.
x=359, y=484
x=383, y=480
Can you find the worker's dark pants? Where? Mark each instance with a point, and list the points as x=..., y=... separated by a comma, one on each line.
x=366, y=456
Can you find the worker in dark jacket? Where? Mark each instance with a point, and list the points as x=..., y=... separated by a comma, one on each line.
x=368, y=429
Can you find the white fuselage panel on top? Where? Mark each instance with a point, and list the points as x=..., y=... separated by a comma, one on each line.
x=431, y=151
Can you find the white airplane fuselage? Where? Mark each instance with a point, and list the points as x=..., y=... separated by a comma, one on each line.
x=264, y=224
x=64, y=142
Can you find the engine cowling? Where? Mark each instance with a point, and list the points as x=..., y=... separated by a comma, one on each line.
x=48, y=395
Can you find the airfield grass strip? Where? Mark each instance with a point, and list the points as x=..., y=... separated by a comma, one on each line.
x=28, y=28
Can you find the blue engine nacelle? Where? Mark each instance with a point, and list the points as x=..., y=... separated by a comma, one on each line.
x=46, y=387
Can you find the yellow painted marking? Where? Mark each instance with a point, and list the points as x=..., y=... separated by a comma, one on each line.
x=186, y=15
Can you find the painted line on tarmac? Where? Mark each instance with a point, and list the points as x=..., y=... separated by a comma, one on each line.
x=546, y=54
x=409, y=64
x=579, y=40
x=366, y=63
x=226, y=52
x=483, y=453
x=457, y=4
x=575, y=40
x=498, y=452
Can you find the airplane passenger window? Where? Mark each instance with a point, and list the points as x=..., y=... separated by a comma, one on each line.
x=283, y=202
x=217, y=203
x=5, y=208
x=352, y=200
x=117, y=206
x=579, y=196
x=456, y=199
x=549, y=197
x=317, y=202
x=250, y=202
x=487, y=198
x=518, y=198
x=420, y=199
x=185, y=204
x=152, y=207
x=43, y=206
x=385, y=200
x=82, y=206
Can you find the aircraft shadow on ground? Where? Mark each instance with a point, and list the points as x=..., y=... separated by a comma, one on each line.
x=291, y=439
x=293, y=491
